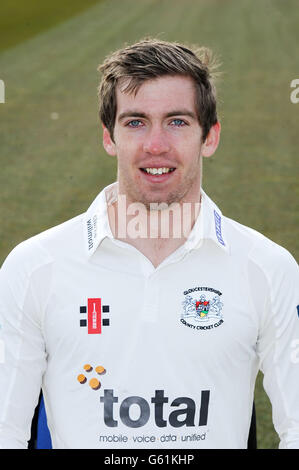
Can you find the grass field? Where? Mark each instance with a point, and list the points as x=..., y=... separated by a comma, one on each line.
x=51, y=159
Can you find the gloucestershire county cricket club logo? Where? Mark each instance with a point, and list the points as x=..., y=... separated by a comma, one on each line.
x=202, y=308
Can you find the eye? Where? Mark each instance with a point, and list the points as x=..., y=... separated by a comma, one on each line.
x=134, y=123
x=178, y=122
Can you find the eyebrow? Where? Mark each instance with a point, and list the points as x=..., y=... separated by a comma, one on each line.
x=176, y=112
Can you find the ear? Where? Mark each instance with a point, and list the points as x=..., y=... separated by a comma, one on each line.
x=108, y=143
x=210, y=145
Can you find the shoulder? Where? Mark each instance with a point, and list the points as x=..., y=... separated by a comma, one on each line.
x=258, y=249
x=43, y=248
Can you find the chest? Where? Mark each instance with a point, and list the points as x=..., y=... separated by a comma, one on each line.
x=199, y=311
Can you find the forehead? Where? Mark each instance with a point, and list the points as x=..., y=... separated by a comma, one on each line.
x=161, y=94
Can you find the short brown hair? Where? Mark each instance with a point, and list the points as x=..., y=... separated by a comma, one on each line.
x=152, y=58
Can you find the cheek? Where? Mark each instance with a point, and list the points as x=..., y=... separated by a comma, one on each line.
x=189, y=142
x=189, y=153
x=125, y=157
x=127, y=145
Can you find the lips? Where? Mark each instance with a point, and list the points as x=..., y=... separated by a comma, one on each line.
x=157, y=174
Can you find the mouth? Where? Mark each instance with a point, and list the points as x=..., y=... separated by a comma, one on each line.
x=157, y=174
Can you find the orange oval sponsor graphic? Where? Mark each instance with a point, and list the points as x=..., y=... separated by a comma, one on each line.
x=81, y=378
x=94, y=383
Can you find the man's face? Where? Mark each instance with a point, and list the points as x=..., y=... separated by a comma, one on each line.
x=158, y=142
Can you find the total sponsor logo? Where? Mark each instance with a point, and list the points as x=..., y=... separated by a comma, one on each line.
x=182, y=411
x=135, y=411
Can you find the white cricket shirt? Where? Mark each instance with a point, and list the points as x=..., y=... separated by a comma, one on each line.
x=180, y=345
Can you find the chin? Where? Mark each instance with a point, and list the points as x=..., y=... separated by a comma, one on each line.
x=167, y=200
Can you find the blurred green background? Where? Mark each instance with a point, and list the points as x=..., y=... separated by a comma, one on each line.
x=52, y=163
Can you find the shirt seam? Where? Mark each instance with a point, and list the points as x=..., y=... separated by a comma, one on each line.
x=45, y=304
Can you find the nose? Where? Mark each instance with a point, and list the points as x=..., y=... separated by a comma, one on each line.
x=156, y=142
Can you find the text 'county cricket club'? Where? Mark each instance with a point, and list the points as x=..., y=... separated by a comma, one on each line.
x=94, y=315
x=202, y=308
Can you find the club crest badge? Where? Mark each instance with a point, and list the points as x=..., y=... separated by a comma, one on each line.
x=202, y=308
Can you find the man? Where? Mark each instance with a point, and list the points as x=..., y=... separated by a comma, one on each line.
x=145, y=320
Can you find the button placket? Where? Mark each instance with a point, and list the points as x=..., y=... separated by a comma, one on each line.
x=151, y=300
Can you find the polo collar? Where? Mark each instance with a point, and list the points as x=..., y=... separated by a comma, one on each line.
x=208, y=225
x=213, y=226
